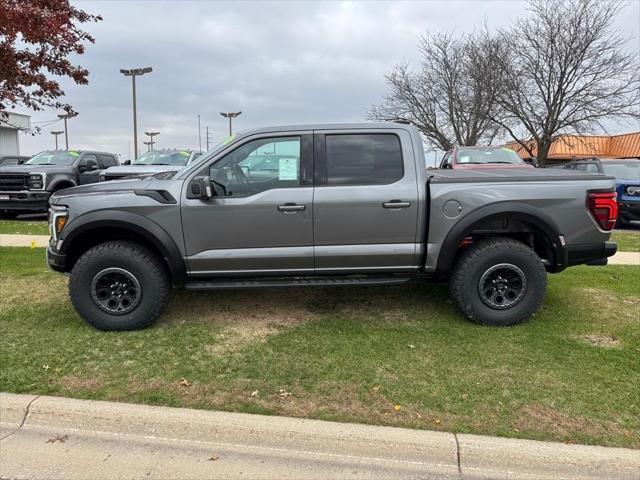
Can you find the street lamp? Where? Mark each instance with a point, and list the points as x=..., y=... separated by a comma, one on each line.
x=230, y=115
x=151, y=134
x=133, y=72
x=56, y=133
x=65, y=117
x=149, y=145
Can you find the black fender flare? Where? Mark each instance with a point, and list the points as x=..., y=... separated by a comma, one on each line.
x=515, y=210
x=138, y=224
x=53, y=186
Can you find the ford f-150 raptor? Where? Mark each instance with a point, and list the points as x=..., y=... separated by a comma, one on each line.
x=332, y=205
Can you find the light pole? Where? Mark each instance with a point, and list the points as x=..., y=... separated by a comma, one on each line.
x=230, y=115
x=65, y=117
x=151, y=142
x=133, y=72
x=149, y=146
x=56, y=133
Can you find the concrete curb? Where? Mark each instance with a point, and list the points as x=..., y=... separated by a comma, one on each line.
x=326, y=449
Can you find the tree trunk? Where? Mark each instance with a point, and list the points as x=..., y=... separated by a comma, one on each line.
x=544, y=145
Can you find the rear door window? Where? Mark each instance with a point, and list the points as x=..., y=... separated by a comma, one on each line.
x=363, y=159
x=107, y=161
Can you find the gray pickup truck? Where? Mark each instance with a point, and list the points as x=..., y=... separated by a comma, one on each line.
x=326, y=205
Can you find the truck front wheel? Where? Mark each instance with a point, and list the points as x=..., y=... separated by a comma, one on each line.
x=119, y=285
x=499, y=282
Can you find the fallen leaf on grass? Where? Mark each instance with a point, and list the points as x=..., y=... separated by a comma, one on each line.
x=184, y=382
x=375, y=388
x=33, y=245
x=283, y=393
x=412, y=346
x=254, y=393
x=58, y=438
x=45, y=366
x=397, y=408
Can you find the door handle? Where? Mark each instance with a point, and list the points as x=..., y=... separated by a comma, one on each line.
x=291, y=207
x=396, y=204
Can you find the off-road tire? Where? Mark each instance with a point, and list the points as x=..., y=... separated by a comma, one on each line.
x=478, y=259
x=147, y=268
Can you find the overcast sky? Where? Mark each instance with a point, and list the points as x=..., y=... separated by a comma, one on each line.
x=279, y=63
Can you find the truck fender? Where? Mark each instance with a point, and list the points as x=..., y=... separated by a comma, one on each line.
x=53, y=186
x=138, y=224
x=514, y=210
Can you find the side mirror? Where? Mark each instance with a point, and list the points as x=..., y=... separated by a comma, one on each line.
x=200, y=188
x=127, y=162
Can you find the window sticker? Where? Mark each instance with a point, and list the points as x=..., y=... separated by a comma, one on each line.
x=228, y=139
x=184, y=153
x=464, y=158
x=288, y=169
x=74, y=154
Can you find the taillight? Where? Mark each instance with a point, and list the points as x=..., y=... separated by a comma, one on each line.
x=604, y=208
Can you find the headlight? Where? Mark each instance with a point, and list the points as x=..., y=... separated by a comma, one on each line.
x=36, y=181
x=632, y=190
x=57, y=220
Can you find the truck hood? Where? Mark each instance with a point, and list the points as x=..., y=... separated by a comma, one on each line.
x=140, y=169
x=102, y=188
x=24, y=169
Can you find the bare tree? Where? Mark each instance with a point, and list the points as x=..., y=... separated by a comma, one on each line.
x=452, y=98
x=567, y=71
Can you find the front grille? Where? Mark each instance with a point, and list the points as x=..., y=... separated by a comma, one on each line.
x=13, y=181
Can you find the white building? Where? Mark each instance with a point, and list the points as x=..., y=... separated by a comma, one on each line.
x=9, y=132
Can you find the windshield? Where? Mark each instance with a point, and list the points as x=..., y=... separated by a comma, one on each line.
x=488, y=155
x=54, y=158
x=165, y=157
x=628, y=169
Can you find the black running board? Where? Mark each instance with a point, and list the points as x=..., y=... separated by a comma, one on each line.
x=291, y=282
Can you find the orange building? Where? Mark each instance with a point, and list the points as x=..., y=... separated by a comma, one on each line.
x=569, y=147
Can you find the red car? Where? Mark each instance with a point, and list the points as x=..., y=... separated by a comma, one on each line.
x=482, y=157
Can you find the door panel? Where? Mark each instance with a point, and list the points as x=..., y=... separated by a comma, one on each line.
x=365, y=227
x=246, y=231
x=226, y=234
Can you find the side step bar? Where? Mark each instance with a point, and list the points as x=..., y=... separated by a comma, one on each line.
x=291, y=282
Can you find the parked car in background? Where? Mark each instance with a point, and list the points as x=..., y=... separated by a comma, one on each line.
x=326, y=205
x=149, y=163
x=627, y=175
x=482, y=157
x=13, y=159
x=26, y=188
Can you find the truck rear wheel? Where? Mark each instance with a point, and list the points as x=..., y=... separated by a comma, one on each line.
x=498, y=282
x=119, y=285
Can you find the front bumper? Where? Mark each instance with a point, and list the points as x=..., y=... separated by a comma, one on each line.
x=57, y=261
x=24, y=200
x=590, y=253
x=629, y=211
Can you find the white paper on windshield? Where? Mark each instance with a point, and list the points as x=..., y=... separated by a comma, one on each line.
x=288, y=169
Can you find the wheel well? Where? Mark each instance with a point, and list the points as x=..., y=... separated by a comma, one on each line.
x=95, y=236
x=62, y=185
x=522, y=230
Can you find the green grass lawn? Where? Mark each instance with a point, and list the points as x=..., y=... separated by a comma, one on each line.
x=399, y=355
x=26, y=227
x=627, y=241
